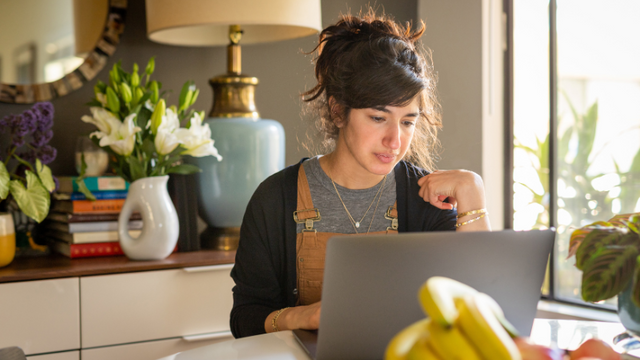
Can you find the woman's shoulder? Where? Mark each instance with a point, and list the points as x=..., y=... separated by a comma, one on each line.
x=278, y=184
x=409, y=171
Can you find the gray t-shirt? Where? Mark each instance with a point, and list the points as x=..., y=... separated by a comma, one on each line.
x=334, y=216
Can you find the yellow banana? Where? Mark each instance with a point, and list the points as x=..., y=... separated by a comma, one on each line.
x=437, y=297
x=400, y=345
x=480, y=325
x=422, y=350
x=450, y=343
x=497, y=311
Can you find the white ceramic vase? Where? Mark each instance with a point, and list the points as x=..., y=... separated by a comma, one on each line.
x=160, y=227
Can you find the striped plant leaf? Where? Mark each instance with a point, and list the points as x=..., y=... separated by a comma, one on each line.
x=578, y=235
x=635, y=292
x=608, y=272
x=596, y=239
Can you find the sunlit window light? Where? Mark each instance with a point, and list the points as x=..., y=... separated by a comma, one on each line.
x=592, y=204
x=616, y=206
x=606, y=182
x=529, y=177
x=564, y=217
x=522, y=196
x=637, y=209
x=615, y=192
x=525, y=219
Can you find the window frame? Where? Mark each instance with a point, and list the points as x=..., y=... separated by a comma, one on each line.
x=508, y=10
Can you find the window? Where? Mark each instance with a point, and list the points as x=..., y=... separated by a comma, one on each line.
x=576, y=120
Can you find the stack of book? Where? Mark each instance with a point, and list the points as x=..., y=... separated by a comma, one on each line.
x=77, y=227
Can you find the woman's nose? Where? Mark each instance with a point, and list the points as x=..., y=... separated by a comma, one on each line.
x=392, y=137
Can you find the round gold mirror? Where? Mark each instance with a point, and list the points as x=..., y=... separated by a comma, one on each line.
x=51, y=48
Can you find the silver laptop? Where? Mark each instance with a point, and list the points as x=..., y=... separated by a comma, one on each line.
x=371, y=283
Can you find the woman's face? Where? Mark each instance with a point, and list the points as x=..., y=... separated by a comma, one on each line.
x=378, y=138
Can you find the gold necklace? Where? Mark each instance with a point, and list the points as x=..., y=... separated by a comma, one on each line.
x=354, y=223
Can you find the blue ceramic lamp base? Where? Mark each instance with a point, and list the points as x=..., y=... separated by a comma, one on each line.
x=252, y=150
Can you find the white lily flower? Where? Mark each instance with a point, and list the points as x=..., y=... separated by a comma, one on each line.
x=121, y=138
x=102, y=98
x=166, y=139
x=197, y=139
x=102, y=119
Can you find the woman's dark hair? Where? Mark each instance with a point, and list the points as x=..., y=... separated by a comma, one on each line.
x=369, y=61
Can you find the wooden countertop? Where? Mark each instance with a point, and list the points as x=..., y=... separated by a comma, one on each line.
x=58, y=266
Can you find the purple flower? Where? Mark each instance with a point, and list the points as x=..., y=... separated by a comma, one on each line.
x=57, y=182
x=47, y=154
x=17, y=141
x=41, y=138
x=28, y=156
x=30, y=120
x=4, y=123
x=45, y=109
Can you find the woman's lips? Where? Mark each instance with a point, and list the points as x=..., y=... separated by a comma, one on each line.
x=386, y=158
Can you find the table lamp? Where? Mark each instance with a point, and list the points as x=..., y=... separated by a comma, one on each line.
x=252, y=148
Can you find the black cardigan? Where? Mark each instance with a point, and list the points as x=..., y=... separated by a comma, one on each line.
x=265, y=270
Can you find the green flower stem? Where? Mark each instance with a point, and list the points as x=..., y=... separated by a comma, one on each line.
x=24, y=162
x=6, y=161
x=18, y=177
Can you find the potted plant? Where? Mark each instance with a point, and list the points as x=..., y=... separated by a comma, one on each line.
x=25, y=179
x=146, y=141
x=608, y=254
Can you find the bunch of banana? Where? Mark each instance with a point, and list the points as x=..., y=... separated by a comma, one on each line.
x=466, y=324
x=463, y=324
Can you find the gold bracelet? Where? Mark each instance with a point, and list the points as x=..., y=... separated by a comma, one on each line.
x=274, y=324
x=472, y=212
x=470, y=221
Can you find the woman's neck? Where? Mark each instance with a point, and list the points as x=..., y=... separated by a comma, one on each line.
x=347, y=172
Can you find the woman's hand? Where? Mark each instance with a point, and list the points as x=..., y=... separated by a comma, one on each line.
x=305, y=317
x=463, y=188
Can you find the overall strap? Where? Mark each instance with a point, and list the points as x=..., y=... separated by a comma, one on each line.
x=305, y=213
x=392, y=214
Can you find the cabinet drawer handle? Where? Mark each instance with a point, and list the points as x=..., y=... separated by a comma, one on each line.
x=210, y=336
x=208, y=268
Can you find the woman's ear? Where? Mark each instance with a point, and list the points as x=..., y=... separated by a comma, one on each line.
x=336, y=112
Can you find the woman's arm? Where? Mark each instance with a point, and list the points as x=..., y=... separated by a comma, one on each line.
x=259, y=268
x=464, y=190
x=300, y=317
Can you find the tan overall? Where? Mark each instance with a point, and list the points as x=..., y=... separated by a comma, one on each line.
x=311, y=245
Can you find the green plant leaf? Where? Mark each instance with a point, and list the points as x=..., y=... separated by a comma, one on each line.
x=578, y=235
x=33, y=200
x=183, y=169
x=596, y=239
x=635, y=291
x=82, y=187
x=94, y=103
x=136, y=168
x=45, y=176
x=5, y=178
x=608, y=272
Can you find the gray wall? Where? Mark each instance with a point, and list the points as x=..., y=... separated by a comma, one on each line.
x=283, y=70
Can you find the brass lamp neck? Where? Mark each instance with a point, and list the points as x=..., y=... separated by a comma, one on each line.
x=233, y=93
x=234, y=52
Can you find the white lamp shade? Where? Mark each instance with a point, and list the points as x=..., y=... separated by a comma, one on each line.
x=206, y=22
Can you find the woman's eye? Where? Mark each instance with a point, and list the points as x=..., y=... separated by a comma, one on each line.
x=377, y=118
x=409, y=123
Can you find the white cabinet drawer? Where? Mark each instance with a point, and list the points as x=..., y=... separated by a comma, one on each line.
x=40, y=316
x=67, y=355
x=150, y=350
x=125, y=308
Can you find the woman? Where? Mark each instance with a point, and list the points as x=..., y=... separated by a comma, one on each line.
x=377, y=105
